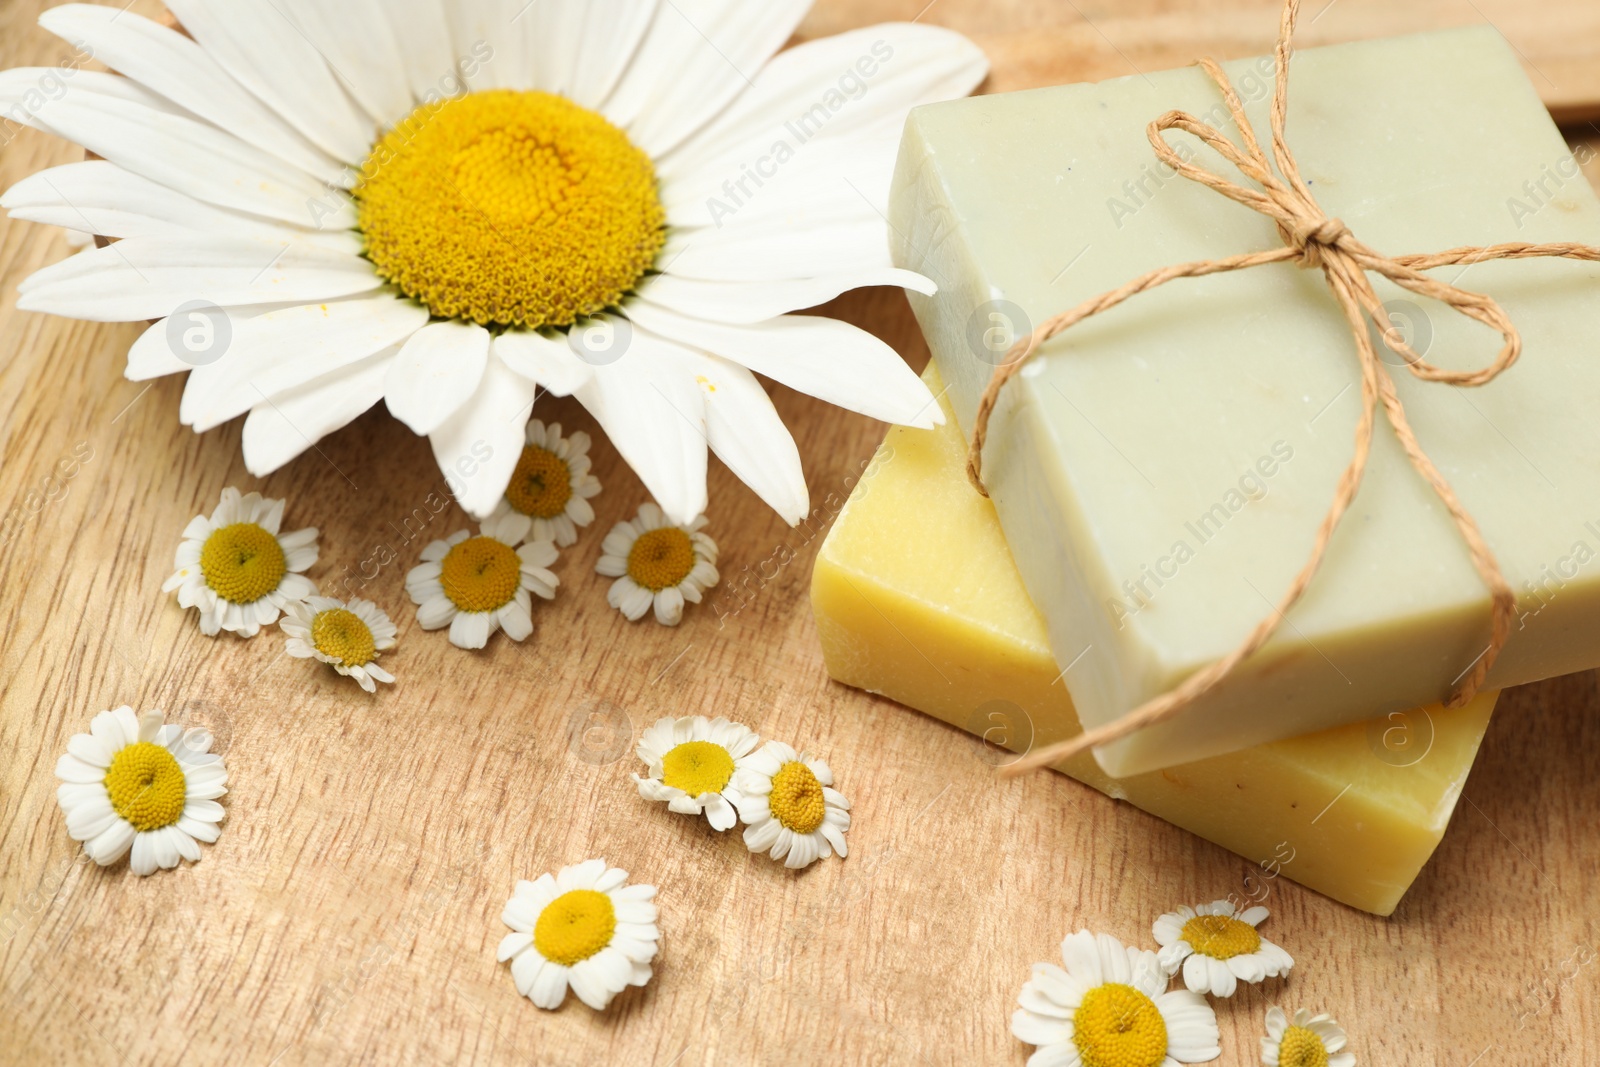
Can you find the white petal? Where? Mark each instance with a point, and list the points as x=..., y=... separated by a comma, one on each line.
x=90, y=749
x=282, y=350
x=588, y=984
x=288, y=423
x=548, y=361
x=844, y=85
x=535, y=45
x=355, y=39
x=1221, y=979
x=607, y=41
x=746, y=433
x=115, y=119
x=655, y=416
x=549, y=986
x=513, y=943
x=100, y=197
x=696, y=57
x=750, y=248
x=173, y=65
x=143, y=859
x=485, y=27
x=752, y=302
x=436, y=372
x=669, y=612
x=183, y=342
x=516, y=620
x=477, y=448
x=525, y=969
x=831, y=360
x=720, y=814
x=269, y=54
x=423, y=38
x=1081, y=954
x=112, y=844
x=471, y=629
x=147, y=278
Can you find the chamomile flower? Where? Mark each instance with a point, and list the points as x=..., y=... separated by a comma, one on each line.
x=134, y=783
x=1110, y=1007
x=790, y=808
x=584, y=927
x=552, y=484
x=238, y=569
x=477, y=585
x=1308, y=1041
x=1217, y=949
x=657, y=563
x=693, y=762
x=347, y=637
x=449, y=205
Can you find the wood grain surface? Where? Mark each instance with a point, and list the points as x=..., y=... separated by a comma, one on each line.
x=350, y=911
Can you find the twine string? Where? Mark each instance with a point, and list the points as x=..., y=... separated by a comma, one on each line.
x=1313, y=241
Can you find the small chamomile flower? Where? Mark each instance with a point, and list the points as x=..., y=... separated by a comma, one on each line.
x=693, y=762
x=552, y=484
x=1307, y=1041
x=346, y=636
x=1110, y=1007
x=477, y=585
x=135, y=784
x=790, y=808
x=584, y=927
x=657, y=563
x=238, y=569
x=1217, y=949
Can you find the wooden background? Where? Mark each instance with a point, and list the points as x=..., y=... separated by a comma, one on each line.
x=350, y=911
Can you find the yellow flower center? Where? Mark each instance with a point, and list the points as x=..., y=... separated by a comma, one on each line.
x=541, y=485
x=511, y=208
x=661, y=558
x=342, y=636
x=697, y=767
x=481, y=574
x=1118, y=1026
x=147, y=786
x=1301, y=1047
x=1220, y=936
x=575, y=926
x=796, y=799
x=242, y=563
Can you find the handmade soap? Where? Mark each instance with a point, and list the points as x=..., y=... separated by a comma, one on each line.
x=916, y=598
x=1160, y=470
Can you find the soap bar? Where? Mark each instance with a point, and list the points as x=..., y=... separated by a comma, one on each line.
x=916, y=598
x=1160, y=470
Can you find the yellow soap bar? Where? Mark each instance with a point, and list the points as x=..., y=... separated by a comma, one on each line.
x=916, y=598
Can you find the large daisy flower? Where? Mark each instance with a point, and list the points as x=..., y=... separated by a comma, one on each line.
x=552, y=484
x=238, y=569
x=134, y=783
x=347, y=637
x=692, y=764
x=790, y=808
x=657, y=563
x=449, y=204
x=1218, y=949
x=584, y=927
x=1110, y=1005
x=477, y=585
x=1306, y=1041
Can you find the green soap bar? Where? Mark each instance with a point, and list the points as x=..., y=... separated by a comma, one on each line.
x=1161, y=469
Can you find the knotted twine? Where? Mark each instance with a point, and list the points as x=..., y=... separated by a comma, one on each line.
x=1311, y=240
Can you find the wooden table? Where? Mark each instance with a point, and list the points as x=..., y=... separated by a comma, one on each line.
x=350, y=911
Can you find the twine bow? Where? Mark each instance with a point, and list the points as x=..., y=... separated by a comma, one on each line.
x=1311, y=240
